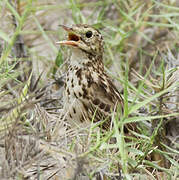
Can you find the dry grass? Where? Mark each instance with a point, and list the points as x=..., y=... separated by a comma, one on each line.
x=142, y=56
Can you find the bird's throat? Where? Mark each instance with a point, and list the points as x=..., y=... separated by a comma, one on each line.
x=80, y=58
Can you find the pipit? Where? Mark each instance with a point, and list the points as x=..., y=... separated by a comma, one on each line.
x=89, y=92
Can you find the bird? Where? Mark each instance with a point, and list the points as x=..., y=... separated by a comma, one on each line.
x=89, y=92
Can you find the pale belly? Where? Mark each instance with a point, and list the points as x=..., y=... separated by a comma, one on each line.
x=74, y=110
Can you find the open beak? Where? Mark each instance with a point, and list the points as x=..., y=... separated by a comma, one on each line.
x=73, y=39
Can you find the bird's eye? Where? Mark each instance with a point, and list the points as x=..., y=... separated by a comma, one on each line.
x=89, y=34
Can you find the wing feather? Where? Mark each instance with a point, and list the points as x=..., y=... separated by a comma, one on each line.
x=103, y=96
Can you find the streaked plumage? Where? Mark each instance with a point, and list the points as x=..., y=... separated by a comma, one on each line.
x=88, y=89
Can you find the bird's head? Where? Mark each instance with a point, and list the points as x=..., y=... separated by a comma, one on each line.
x=84, y=37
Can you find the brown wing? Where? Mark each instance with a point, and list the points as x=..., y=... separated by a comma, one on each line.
x=103, y=96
